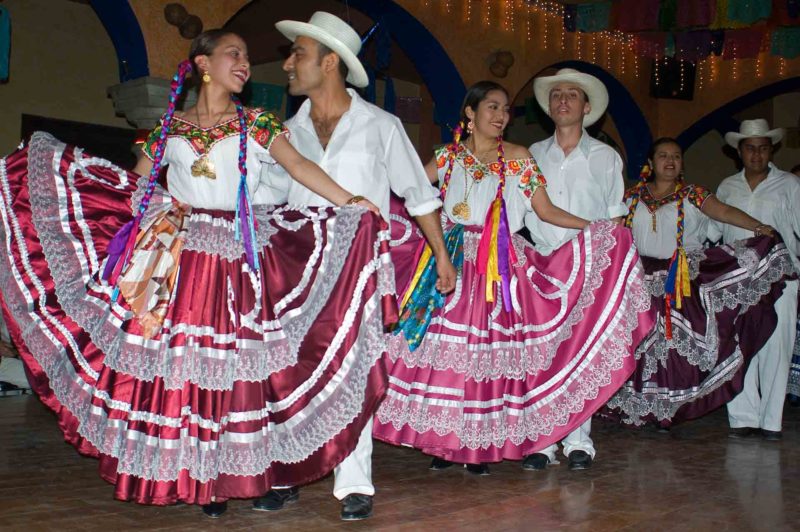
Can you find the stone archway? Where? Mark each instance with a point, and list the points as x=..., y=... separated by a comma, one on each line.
x=125, y=32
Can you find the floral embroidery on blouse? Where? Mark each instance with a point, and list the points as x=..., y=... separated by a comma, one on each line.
x=696, y=195
x=530, y=176
x=263, y=127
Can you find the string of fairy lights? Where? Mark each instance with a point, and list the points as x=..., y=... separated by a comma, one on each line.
x=542, y=23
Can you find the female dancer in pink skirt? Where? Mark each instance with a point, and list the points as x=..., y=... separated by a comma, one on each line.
x=528, y=346
x=187, y=352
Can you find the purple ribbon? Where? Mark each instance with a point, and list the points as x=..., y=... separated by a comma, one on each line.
x=503, y=260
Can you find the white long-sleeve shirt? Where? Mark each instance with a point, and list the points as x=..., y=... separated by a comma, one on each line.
x=775, y=201
x=369, y=154
x=587, y=183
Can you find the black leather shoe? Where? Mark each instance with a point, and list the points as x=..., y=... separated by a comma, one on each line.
x=275, y=499
x=579, y=460
x=8, y=389
x=535, y=462
x=478, y=469
x=215, y=509
x=738, y=433
x=437, y=464
x=771, y=435
x=356, y=507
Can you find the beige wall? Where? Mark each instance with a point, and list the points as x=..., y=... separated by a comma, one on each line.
x=62, y=62
x=165, y=46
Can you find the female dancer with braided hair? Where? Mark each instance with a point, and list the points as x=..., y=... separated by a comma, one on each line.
x=716, y=305
x=186, y=352
x=528, y=346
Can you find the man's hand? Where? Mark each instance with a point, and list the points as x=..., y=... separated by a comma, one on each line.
x=446, y=273
x=367, y=204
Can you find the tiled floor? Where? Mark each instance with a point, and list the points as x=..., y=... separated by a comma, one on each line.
x=693, y=478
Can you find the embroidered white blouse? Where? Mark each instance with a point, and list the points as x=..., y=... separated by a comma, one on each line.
x=476, y=183
x=187, y=142
x=661, y=242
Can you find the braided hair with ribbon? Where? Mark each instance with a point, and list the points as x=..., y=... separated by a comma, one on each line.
x=121, y=247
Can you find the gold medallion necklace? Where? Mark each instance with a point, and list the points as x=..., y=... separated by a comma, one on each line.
x=462, y=209
x=203, y=167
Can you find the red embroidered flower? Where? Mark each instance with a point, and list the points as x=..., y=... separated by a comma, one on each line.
x=197, y=144
x=469, y=159
x=262, y=137
x=526, y=178
x=514, y=166
x=478, y=175
x=440, y=161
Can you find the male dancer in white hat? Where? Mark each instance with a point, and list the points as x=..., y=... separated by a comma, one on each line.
x=584, y=177
x=772, y=196
x=367, y=151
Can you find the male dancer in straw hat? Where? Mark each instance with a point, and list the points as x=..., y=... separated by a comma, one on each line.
x=584, y=177
x=772, y=196
x=366, y=150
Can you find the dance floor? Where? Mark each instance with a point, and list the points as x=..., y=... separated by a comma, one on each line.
x=692, y=478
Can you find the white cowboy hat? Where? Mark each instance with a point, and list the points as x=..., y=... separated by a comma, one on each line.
x=750, y=129
x=593, y=87
x=334, y=33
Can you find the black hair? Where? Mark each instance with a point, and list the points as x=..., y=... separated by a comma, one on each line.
x=205, y=43
x=476, y=94
x=325, y=50
x=652, y=153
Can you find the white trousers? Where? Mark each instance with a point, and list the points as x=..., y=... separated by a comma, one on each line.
x=760, y=404
x=4, y=336
x=577, y=440
x=354, y=474
x=11, y=370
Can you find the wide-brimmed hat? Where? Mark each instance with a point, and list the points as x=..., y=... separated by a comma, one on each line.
x=750, y=129
x=593, y=87
x=334, y=33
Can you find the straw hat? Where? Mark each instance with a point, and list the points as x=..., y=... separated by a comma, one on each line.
x=750, y=129
x=593, y=87
x=334, y=33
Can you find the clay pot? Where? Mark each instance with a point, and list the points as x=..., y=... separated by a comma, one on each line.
x=505, y=58
x=175, y=14
x=191, y=27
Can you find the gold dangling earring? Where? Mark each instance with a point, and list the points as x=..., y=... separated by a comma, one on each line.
x=206, y=77
x=470, y=127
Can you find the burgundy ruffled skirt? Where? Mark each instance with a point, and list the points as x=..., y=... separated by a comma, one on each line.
x=726, y=321
x=255, y=379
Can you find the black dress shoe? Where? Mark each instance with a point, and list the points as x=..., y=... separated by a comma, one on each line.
x=215, y=509
x=771, y=435
x=437, y=464
x=7, y=389
x=478, y=469
x=738, y=433
x=535, y=462
x=579, y=460
x=275, y=499
x=356, y=507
